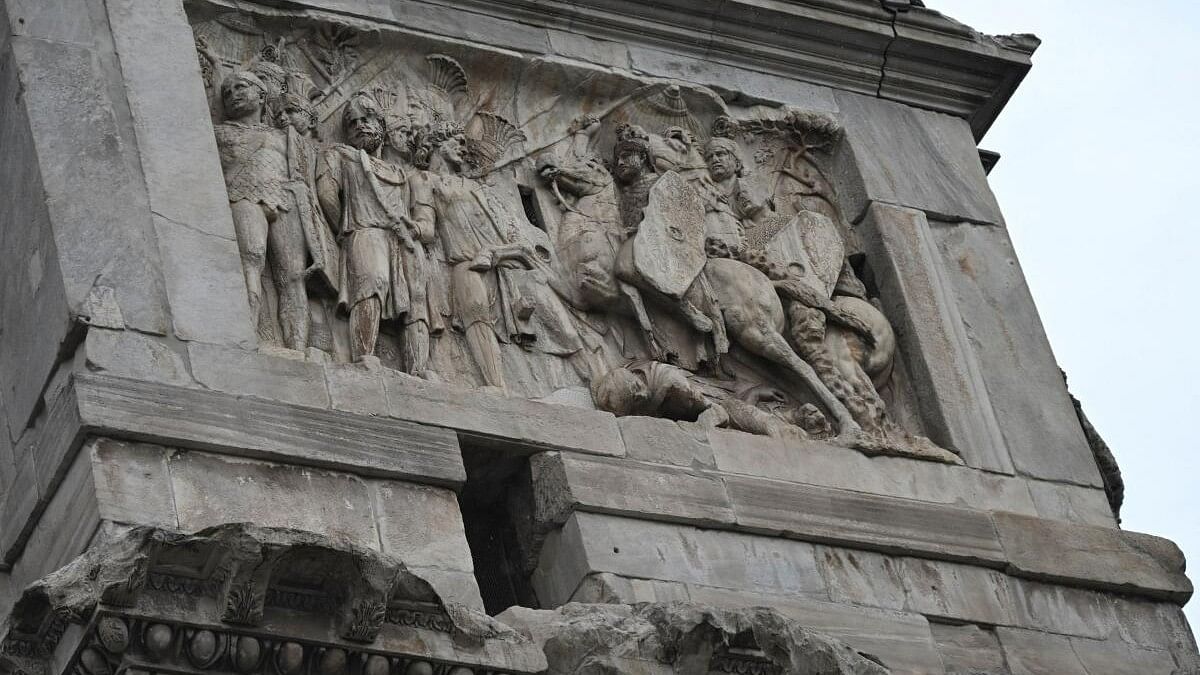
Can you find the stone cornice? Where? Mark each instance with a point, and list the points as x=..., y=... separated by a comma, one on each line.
x=918, y=57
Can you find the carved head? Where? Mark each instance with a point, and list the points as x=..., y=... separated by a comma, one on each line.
x=363, y=122
x=721, y=156
x=242, y=94
x=443, y=141
x=621, y=392
x=632, y=156
x=298, y=113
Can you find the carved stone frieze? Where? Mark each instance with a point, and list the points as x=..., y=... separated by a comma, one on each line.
x=531, y=227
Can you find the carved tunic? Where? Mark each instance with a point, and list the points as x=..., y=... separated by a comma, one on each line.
x=468, y=225
x=255, y=160
x=374, y=196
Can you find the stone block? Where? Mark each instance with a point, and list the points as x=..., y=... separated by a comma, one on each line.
x=134, y=355
x=477, y=27
x=1058, y=501
x=900, y=640
x=590, y=543
x=915, y=158
x=863, y=521
x=514, y=424
x=968, y=650
x=212, y=490
x=1063, y=610
x=355, y=388
x=1113, y=657
x=34, y=309
x=862, y=577
x=132, y=483
x=612, y=588
x=421, y=525
x=19, y=504
x=957, y=592
x=819, y=463
x=1157, y=626
x=94, y=198
x=663, y=441
x=605, y=53
x=1033, y=653
x=1024, y=384
x=740, y=84
x=565, y=482
x=453, y=586
x=39, y=19
x=205, y=285
x=182, y=172
x=231, y=424
x=1099, y=557
x=920, y=302
x=248, y=373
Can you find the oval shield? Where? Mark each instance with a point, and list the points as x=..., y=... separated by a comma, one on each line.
x=668, y=248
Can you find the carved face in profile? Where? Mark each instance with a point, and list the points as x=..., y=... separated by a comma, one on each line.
x=452, y=152
x=299, y=118
x=631, y=164
x=722, y=161
x=242, y=95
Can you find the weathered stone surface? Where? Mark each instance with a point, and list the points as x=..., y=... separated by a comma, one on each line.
x=919, y=301
x=1032, y=653
x=968, y=650
x=212, y=490
x=1073, y=503
x=34, y=309
x=132, y=483
x=355, y=389
x=818, y=463
x=590, y=543
x=1026, y=389
x=827, y=515
x=564, y=482
x=204, y=285
x=1099, y=556
x=964, y=592
x=652, y=439
x=97, y=209
x=524, y=426
x=914, y=158
x=577, y=46
x=1059, y=609
x=421, y=525
x=31, y=18
x=133, y=355
x=247, y=373
x=192, y=221
x=658, y=639
x=1113, y=657
x=449, y=21
x=901, y=641
x=266, y=429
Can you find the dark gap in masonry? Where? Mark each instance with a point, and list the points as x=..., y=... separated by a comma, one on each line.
x=497, y=511
x=533, y=210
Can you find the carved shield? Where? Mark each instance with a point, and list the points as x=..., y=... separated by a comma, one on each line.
x=811, y=240
x=668, y=249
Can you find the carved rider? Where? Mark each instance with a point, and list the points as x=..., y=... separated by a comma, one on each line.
x=385, y=271
x=267, y=202
x=726, y=170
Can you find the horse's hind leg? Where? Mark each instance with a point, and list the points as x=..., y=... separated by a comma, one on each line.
x=771, y=345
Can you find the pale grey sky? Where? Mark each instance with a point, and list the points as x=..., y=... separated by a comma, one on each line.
x=1099, y=185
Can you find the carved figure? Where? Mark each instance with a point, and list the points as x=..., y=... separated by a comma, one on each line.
x=270, y=203
x=725, y=169
x=590, y=232
x=482, y=248
x=385, y=271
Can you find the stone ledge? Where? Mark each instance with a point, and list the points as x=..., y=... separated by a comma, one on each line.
x=1033, y=548
x=103, y=405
